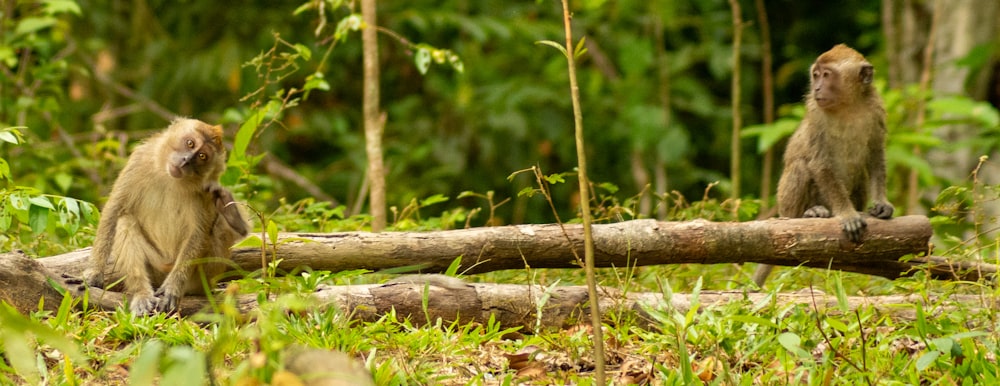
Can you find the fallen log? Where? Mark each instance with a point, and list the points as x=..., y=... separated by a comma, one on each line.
x=789, y=242
x=529, y=307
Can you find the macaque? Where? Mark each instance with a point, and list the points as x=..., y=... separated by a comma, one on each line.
x=836, y=157
x=167, y=219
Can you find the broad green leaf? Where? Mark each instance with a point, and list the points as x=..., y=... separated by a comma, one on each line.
x=38, y=219
x=304, y=51
x=272, y=231
x=4, y=171
x=837, y=324
x=6, y=218
x=769, y=135
x=792, y=343
x=247, y=131
x=89, y=213
x=8, y=58
x=19, y=200
x=927, y=359
x=53, y=7
x=6, y=135
x=346, y=25
x=526, y=192
x=42, y=201
x=316, y=82
x=556, y=178
x=63, y=181
x=253, y=241
x=34, y=24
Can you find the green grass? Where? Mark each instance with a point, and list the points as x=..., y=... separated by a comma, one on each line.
x=738, y=343
x=735, y=343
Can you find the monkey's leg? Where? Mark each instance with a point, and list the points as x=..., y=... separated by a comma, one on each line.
x=172, y=290
x=132, y=254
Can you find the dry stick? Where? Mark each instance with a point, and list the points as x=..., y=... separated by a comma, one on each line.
x=660, y=182
x=588, y=249
x=913, y=192
x=737, y=121
x=374, y=121
x=763, y=271
x=277, y=168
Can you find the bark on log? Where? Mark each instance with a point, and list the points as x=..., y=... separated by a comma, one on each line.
x=789, y=242
x=511, y=305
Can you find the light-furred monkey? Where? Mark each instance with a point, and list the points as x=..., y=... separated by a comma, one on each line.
x=167, y=218
x=835, y=160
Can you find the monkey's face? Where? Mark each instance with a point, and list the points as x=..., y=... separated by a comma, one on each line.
x=826, y=85
x=839, y=77
x=192, y=156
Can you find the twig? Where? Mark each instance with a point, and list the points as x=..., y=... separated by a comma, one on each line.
x=588, y=237
x=275, y=167
x=737, y=119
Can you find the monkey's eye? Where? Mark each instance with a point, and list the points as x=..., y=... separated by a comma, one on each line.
x=202, y=156
x=190, y=144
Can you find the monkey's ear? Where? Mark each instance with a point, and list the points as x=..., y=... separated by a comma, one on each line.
x=217, y=135
x=867, y=73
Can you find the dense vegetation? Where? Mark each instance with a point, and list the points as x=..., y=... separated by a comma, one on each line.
x=472, y=102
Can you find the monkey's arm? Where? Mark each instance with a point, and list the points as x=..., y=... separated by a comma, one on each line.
x=227, y=208
x=881, y=207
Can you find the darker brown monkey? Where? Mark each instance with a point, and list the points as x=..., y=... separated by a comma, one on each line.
x=835, y=160
x=167, y=219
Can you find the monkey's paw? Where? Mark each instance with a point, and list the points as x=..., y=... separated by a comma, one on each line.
x=168, y=302
x=882, y=210
x=854, y=228
x=818, y=211
x=93, y=278
x=143, y=305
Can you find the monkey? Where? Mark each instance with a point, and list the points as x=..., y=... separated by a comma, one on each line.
x=167, y=217
x=836, y=157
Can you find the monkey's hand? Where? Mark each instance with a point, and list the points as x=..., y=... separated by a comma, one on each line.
x=168, y=301
x=854, y=227
x=142, y=305
x=882, y=210
x=225, y=204
x=93, y=278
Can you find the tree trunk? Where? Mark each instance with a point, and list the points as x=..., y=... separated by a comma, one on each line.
x=374, y=118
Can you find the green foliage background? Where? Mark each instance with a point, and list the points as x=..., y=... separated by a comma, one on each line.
x=447, y=132
x=85, y=80
x=473, y=104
